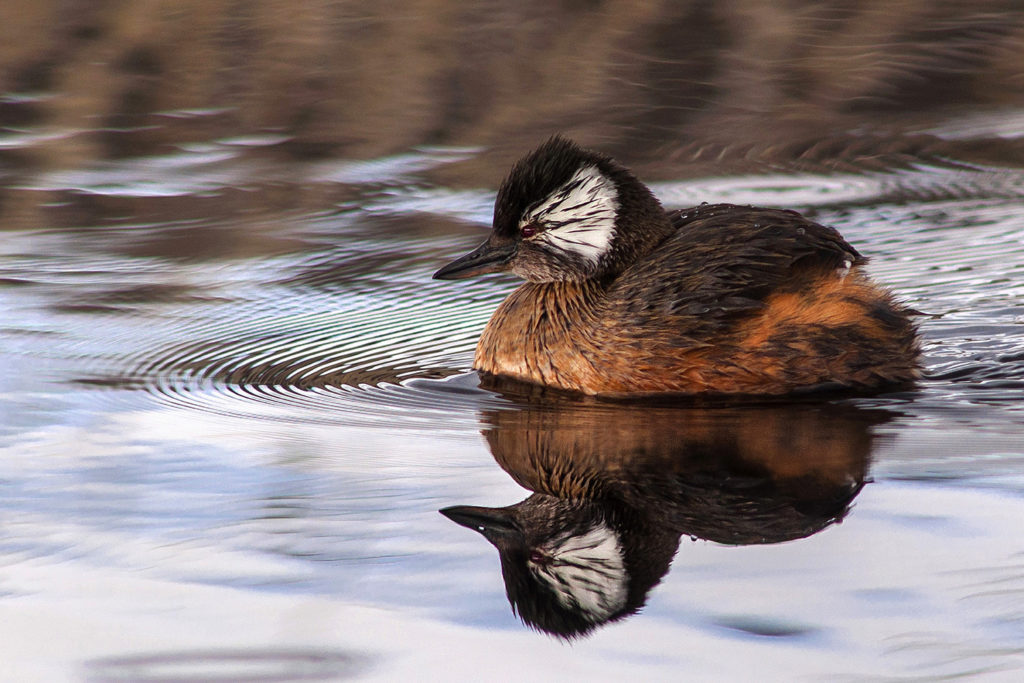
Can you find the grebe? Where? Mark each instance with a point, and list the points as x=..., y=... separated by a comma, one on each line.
x=623, y=298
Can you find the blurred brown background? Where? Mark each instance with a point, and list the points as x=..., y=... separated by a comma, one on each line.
x=663, y=83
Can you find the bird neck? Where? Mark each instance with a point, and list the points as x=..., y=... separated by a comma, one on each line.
x=562, y=305
x=642, y=226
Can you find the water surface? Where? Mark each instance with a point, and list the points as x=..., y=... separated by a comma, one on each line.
x=233, y=402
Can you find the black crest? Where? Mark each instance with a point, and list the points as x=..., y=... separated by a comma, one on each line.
x=538, y=174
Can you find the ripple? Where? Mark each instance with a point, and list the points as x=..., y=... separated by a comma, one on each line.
x=229, y=665
x=340, y=323
x=351, y=355
x=203, y=167
x=173, y=175
x=921, y=183
x=356, y=333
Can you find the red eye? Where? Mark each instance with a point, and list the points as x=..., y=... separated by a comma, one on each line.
x=528, y=230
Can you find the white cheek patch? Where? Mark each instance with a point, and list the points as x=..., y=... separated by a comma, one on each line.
x=578, y=217
x=587, y=573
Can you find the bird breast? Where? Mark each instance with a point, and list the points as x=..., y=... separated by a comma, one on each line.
x=544, y=333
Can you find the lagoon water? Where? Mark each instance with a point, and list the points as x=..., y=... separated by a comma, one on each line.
x=233, y=402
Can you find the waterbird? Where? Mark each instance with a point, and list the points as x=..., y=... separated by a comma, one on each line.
x=624, y=298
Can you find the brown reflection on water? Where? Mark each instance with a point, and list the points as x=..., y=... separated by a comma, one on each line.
x=616, y=489
x=681, y=88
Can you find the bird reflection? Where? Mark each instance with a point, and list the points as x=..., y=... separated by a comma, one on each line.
x=616, y=487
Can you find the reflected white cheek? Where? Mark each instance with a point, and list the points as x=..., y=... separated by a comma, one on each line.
x=587, y=573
